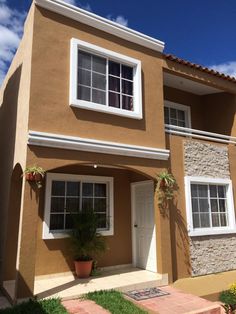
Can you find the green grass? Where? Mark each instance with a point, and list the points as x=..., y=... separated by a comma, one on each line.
x=114, y=302
x=49, y=306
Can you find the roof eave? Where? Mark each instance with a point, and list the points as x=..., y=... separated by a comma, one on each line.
x=101, y=23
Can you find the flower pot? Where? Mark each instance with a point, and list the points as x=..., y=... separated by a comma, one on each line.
x=162, y=184
x=38, y=177
x=30, y=176
x=83, y=268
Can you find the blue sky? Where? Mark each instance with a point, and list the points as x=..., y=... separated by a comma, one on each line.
x=202, y=31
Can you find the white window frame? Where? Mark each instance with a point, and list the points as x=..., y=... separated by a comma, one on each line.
x=186, y=109
x=47, y=234
x=231, y=228
x=114, y=56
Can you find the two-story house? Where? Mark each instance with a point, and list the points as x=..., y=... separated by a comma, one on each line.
x=103, y=111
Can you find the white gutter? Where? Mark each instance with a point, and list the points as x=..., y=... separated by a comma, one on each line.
x=101, y=23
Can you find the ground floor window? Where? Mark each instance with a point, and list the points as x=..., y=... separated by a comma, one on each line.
x=67, y=194
x=210, y=208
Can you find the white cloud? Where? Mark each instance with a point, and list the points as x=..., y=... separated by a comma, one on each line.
x=228, y=68
x=73, y=2
x=86, y=6
x=11, y=29
x=120, y=19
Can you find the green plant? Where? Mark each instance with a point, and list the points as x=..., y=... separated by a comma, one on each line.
x=165, y=188
x=86, y=241
x=228, y=298
x=34, y=173
x=114, y=302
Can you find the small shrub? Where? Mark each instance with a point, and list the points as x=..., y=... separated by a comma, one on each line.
x=229, y=300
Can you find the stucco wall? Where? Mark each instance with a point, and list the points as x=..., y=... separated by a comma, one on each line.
x=209, y=254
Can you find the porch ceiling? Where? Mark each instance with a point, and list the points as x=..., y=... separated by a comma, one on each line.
x=187, y=85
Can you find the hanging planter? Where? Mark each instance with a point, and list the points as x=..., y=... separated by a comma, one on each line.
x=34, y=174
x=165, y=189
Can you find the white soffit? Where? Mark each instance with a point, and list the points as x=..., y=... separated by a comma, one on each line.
x=187, y=85
x=101, y=23
x=96, y=146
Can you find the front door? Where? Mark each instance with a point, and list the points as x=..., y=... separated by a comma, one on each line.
x=144, y=231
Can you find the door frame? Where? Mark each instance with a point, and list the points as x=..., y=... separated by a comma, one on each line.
x=133, y=216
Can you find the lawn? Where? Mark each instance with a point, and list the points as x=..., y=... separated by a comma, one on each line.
x=114, y=302
x=49, y=306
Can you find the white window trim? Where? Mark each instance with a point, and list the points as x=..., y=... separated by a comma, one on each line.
x=137, y=86
x=186, y=109
x=72, y=177
x=230, y=203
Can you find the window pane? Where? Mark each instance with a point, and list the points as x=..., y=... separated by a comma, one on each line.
x=166, y=114
x=173, y=121
x=99, y=96
x=202, y=190
x=73, y=189
x=114, y=68
x=223, y=220
x=69, y=222
x=127, y=72
x=214, y=205
x=222, y=204
x=57, y=204
x=213, y=191
x=84, y=60
x=215, y=220
x=84, y=77
x=203, y=203
x=205, y=220
x=100, y=189
x=194, y=190
x=127, y=87
x=102, y=221
x=58, y=188
x=114, y=100
x=72, y=204
x=127, y=103
x=83, y=93
x=181, y=123
x=87, y=189
x=56, y=221
x=180, y=115
x=195, y=205
x=173, y=113
x=87, y=203
x=114, y=84
x=100, y=204
x=99, y=81
x=221, y=191
x=196, y=221
x=99, y=64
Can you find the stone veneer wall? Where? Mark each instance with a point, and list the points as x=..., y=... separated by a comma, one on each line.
x=214, y=253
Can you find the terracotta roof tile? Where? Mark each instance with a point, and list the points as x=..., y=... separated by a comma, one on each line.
x=199, y=67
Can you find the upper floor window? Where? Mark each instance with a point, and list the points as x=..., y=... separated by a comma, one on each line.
x=177, y=114
x=105, y=81
x=66, y=194
x=209, y=205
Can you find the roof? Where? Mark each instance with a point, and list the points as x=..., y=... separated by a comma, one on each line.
x=94, y=20
x=199, y=67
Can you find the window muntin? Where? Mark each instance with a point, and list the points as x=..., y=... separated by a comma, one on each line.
x=209, y=205
x=104, y=81
x=175, y=116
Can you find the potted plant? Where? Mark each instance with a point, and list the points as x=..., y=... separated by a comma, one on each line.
x=86, y=241
x=166, y=186
x=228, y=298
x=34, y=174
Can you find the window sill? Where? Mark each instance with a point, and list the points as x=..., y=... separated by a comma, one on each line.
x=199, y=233
x=64, y=235
x=105, y=109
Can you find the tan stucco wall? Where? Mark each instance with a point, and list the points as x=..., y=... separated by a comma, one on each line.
x=14, y=109
x=50, y=110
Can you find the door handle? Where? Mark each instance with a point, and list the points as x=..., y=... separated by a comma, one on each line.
x=135, y=226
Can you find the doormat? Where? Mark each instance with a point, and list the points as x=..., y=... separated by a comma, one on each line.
x=147, y=293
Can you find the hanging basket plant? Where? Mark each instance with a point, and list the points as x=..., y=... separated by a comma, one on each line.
x=165, y=189
x=35, y=174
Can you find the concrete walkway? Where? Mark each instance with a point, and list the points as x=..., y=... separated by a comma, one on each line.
x=83, y=307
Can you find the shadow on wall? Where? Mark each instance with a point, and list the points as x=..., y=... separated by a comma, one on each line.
x=8, y=118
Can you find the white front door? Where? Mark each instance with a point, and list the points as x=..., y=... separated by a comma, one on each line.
x=143, y=225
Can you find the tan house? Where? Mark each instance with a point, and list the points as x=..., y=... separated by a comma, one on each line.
x=103, y=111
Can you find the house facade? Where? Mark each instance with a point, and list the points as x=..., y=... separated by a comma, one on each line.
x=103, y=111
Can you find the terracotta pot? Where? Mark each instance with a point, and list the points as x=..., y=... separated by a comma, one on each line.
x=162, y=184
x=83, y=268
x=38, y=177
x=30, y=177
